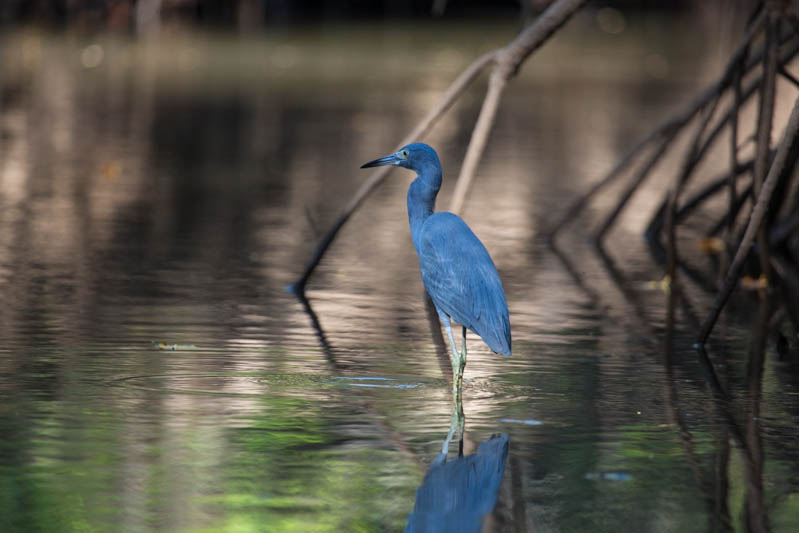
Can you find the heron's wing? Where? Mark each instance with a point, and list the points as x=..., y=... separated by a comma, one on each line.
x=462, y=280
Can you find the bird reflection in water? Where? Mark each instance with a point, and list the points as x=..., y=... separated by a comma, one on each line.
x=457, y=494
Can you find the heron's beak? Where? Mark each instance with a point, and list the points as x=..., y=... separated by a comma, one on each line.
x=393, y=159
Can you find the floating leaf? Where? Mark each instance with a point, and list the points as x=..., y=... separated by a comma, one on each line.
x=165, y=347
x=751, y=284
x=662, y=285
x=711, y=245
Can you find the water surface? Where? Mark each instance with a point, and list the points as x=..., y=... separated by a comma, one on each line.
x=155, y=375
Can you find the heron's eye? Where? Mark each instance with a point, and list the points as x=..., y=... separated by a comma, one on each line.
x=405, y=154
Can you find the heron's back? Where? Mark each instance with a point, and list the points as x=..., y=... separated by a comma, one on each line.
x=461, y=278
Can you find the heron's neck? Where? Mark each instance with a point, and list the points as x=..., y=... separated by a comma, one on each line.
x=422, y=199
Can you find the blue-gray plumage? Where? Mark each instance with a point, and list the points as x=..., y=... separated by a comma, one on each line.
x=457, y=271
x=457, y=495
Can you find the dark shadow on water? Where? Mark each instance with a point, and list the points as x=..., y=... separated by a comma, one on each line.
x=442, y=352
x=574, y=273
x=713, y=481
x=327, y=349
x=726, y=455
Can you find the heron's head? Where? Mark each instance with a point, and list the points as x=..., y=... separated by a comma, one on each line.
x=415, y=156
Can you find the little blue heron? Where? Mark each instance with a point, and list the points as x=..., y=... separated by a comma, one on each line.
x=457, y=271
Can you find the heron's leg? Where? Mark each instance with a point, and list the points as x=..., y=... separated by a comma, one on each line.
x=448, y=327
x=462, y=358
x=455, y=357
x=463, y=347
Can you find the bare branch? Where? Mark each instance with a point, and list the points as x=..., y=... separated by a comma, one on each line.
x=477, y=144
x=736, y=107
x=669, y=127
x=755, y=221
x=764, y=124
x=690, y=161
x=639, y=178
x=509, y=60
x=788, y=76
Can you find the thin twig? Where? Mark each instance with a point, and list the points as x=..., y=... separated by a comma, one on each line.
x=625, y=161
x=716, y=228
x=710, y=190
x=479, y=139
x=737, y=95
x=788, y=76
x=508, y=62
x=643, y=172
x=790, y=195
x=764, y=124
x=755, y=221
